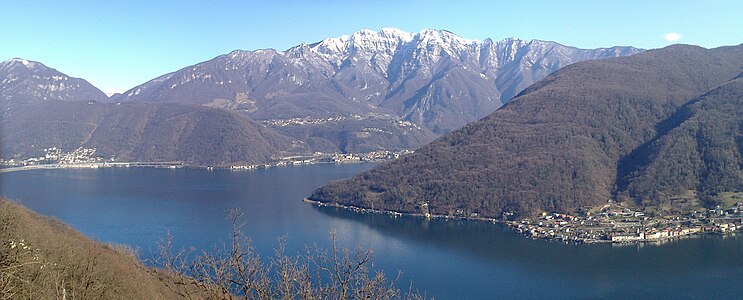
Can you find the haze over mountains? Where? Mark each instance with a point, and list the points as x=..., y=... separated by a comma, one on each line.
x=386, y=90
x=649, y=126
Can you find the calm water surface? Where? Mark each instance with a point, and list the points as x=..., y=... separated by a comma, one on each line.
x=448, y=259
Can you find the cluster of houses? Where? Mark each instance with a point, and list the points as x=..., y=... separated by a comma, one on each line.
x=319, y=157
x=407, y=124
x=613, y=223
x=86, y=157
x=55, y=155
x=337, y=119
x=653, y=234
x=563, y=227
x=380, y=155
x=310, y=121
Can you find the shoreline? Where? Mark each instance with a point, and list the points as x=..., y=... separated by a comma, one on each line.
x=514, y=226
x=517, y=226
x=98, y=165
x=294, y=160
x=169, y=165
x=400, y=214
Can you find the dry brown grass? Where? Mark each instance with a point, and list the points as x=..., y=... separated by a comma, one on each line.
x=42, y=258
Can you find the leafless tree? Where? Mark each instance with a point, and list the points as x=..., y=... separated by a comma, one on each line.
x=236, y=271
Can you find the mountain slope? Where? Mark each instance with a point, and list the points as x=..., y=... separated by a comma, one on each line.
x=433, y=78
x=702, y=153
x=356, y=134
x=23, y=82
x=556, y=147
x=40, y=256
x=140, y=132
x=200, y=134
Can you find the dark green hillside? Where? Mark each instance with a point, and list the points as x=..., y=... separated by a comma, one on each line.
x=702, y=153
x=26, y=130
x=556, y=147
x=140, y=132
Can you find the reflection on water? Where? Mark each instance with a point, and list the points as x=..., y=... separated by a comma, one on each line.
x=449, y=259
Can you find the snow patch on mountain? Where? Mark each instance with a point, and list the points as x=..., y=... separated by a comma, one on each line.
x=434, y=77
x=24, y=81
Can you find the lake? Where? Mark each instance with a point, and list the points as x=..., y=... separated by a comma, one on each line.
x=448, y=259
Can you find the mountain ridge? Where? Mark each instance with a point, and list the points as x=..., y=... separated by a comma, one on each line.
x=141, y=132
x=395, y=72
x=368, y=91
x=556, y=147
x=25, y=81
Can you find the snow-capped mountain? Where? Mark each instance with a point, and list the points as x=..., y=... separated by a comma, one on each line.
x=432, y=78
x=23, y=82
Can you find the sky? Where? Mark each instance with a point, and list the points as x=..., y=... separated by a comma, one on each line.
x=117, y=45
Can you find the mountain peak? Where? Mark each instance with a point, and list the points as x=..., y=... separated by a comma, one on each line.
x=364, y=32
x=443, y=36
x=575, y=123
x=433, y=77
x=394, y=31
x=23, y=81
x=387, y=37
x=20, y=61
x=511, y=41
x=363, y=39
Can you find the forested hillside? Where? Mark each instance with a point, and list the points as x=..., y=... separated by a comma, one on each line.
x=701, y=152
x=573, y=139
x=141, y=132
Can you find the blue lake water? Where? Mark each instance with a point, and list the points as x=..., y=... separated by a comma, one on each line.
x=448, y=259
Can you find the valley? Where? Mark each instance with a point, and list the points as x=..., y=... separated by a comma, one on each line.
x=387, y=150
x=369, y=91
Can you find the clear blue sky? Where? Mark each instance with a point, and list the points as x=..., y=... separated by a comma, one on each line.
x=116, y=46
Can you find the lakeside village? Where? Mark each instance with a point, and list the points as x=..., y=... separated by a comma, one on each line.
x=79, y=158
x=54, y=158
x=616, y=223
x=611, y=223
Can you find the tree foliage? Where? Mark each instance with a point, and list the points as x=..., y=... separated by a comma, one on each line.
x=576, y=138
